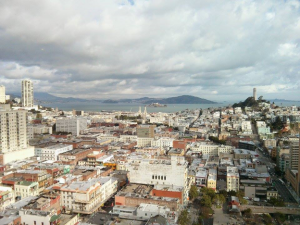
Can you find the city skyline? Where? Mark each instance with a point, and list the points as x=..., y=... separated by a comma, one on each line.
x=214, y=50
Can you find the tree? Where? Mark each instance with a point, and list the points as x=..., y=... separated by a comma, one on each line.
x=193, y=192
x=184, y=218
x=276, y=202
x=205, y=201
x=39, y=116
x=240, y=194
x=243, y=201
x=224, y=193
x=247, y=213
x=208, y=191
x=231, y=193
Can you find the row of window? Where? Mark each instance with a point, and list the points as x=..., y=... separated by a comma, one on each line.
x=158, y=177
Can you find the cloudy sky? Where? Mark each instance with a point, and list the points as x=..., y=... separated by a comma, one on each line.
x=213, y=49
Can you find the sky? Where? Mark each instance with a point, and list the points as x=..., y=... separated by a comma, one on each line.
x=213, y=49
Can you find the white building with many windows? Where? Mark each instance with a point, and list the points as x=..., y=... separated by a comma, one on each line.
x=24, y=189
x=210, y=149
x=27, y=93
x=73, y=125
x=160, y=171
x=233, y=178
x=52, y=152
x=86, y=197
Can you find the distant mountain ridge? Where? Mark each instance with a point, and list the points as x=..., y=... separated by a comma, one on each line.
x=41, y=97
x=183, y=99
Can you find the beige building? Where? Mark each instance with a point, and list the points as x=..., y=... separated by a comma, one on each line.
x=2, y=94
x=212, y=179
x=145, y=131
x=73, y=125
x=24, y=189
x=233, y=178
x=7, y=197
x=86, y=197
x=27, y=93
x=13, y=130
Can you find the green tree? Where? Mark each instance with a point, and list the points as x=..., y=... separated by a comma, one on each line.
x=193, y=192
x=208, y=191
x=224, y=193
x=247, y=213
x=205, y=201
x=184, y=218
x=231, y=193
x=39, y=116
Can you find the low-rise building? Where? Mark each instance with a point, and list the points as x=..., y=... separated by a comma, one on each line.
x=86, y=197
x=24, y=189
x=52, y=152
x=233, y=178
x=212, y=179
x=7, y=197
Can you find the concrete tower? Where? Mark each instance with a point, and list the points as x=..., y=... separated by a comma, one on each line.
x=254, y=93
x=27, y=93
x=2, y=94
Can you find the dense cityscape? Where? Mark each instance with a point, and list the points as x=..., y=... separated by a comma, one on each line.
x=232, y=165
x=149, y=112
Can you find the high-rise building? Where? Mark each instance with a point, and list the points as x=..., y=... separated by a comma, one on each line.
x=13, y=133
x=13, y=130
x=254, y=93
x=292, y=173
x=27, y=93
x=2, y=94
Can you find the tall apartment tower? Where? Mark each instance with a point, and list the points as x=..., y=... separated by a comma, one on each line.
x=254, y=93
x=2, y=94
x=27, y=93
x=13, y=130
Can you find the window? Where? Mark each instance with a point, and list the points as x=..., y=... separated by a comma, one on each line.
x=152, y=176
x=165, y=177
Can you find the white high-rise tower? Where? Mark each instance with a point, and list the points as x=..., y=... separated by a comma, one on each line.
x=2, y=94
x=27, y=93
x=254, y=93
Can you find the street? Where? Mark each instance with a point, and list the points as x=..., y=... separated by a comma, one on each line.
x=283, y=191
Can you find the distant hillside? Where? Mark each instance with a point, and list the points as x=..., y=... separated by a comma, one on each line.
x=282, y=100
x=43, y=97
x=183, y=99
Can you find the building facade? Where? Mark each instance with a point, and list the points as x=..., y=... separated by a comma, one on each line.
x=27, y=93
x=233, y=178
x=2, y=94
x=13, y=130
x=71, y=124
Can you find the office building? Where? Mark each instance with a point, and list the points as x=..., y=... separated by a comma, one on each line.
x=86, y=197
x=52, y=152
x=71, y=125
x=145, y=131
x=165, y=172
x=2, y=94
x=27, y=93
x=293, y=173
x=13, y=130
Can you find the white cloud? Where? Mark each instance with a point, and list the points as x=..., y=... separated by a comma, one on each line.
x=211, y=48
